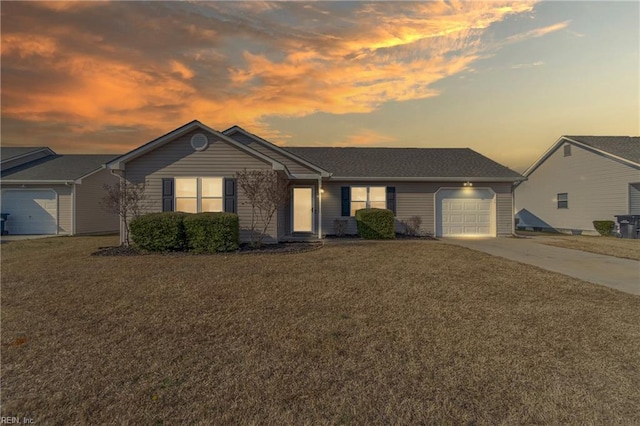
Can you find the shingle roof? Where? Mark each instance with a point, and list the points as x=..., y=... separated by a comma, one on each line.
x=404, y=162
x=8, y=152
x=57, y=168
x=627, y=147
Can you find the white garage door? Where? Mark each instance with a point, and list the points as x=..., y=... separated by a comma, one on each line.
x=466, y=213
x=30, y=211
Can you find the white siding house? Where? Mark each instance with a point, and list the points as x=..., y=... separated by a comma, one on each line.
x=50, y=194
x=578, y=180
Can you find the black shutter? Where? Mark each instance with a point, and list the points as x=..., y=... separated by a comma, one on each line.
x=346, y=201
x=391, y=198
x=230, y=198
x=167, y=195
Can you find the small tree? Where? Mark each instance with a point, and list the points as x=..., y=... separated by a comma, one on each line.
x=266, y=190
x=126, y=200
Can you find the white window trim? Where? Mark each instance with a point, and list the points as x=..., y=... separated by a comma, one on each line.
x=198, y=196
x=368, y=202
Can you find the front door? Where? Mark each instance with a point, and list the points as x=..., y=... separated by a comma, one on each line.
x=303, y=209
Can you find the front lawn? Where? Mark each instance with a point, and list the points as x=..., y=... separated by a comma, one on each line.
x=398, y=332
x=619, y=247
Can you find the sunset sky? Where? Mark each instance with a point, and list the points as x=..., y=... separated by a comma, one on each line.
x=504, y=78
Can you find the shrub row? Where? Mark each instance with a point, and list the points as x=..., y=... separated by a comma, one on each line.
x=375, y=224
x=173, y=231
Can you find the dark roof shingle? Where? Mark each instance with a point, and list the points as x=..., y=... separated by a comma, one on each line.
x=627, y=147
x=404, y=162
x=9, y=152
x=57, y=168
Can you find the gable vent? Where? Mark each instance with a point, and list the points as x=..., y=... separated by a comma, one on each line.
x=199, y=142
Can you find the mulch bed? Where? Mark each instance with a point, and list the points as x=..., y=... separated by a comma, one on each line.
x=280, y=248
x=245, y=248
x=398, y=237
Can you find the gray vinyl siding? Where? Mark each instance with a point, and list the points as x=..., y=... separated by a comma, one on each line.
x=293, y=166
x=597, y=188
x=65, y=197
x=414, y=199
x=91, y=218
x=6, y=165
x=634, y=198
x=504, y=213
x=178, y=159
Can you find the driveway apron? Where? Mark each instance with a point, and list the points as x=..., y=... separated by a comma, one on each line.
x=614, y=272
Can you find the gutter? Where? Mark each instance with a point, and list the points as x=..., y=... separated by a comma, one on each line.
x=430, y=179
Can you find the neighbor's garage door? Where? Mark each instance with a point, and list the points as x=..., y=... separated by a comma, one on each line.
x=30, y=211
x=466, y=213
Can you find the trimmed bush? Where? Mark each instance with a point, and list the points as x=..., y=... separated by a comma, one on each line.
x=604, y=227
x=159, y=231
x=212, y=232
x=375, y=224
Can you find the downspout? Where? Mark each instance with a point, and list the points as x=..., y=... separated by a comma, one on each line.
x=73, y=209
x=513, y=207
x=320, y=207
x=120, y=176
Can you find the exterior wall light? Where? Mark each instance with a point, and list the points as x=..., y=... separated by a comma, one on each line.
x=467, y=184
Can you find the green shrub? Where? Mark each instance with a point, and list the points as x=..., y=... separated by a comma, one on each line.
x=159, y=231
x=375, y=224
x=212, y=232
x=604, y=227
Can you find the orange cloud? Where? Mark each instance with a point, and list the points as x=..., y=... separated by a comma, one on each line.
x=232, y=63
x=25, y=45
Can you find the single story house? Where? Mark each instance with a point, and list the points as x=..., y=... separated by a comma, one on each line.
x=456, y=192
x=580, y=179
x=47, y=193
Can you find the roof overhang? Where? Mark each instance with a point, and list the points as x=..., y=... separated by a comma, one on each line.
x=37, y=181
x=266, y=143
x=120, y=162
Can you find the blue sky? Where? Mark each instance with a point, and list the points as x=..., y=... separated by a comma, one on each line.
x=504, y=78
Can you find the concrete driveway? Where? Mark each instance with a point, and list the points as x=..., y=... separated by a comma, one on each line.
x=614, y=272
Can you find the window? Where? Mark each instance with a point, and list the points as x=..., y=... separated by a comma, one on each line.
x=195, y=195
x=563, y=200
x=363, y=197
x=567, y=150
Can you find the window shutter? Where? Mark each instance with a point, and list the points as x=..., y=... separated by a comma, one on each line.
x=167, y=195
x=346, y=201
x=391, y=198
x=230, y=197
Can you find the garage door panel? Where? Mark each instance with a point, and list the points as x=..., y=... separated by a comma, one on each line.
x=30, y=211
x=468, y=216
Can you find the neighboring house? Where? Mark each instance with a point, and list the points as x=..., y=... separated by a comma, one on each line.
x=47, y=193
x=456, y=192
x=578, y=180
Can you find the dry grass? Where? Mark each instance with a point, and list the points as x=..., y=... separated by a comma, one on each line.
x=618, y=247
x=375, y=333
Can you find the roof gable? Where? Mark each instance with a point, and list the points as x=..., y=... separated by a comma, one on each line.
x=235, y=130
x=119, y=162
x=623, y=149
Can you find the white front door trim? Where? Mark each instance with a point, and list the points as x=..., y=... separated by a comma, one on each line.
x=302, y=225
